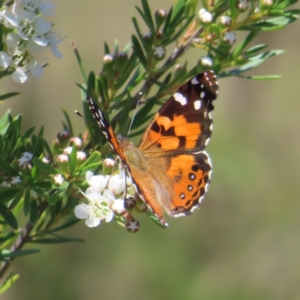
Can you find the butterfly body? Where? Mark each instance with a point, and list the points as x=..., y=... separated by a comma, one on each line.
x=170, y=169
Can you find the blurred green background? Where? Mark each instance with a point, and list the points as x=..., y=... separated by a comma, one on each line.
x=244, y=242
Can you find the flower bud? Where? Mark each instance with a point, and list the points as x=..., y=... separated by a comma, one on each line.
x=160, y=17
x=63, y=138
x=77, y=141
x=121, y=59
x=159, y=52
x=225, y=20
x=242, y=5
x=205, y=16
x=129, y=203
x=132, y=225
x=206, y=61
x=229, y=37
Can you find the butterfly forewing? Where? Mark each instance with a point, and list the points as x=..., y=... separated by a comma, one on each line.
x=184, y=122
x=105, y=127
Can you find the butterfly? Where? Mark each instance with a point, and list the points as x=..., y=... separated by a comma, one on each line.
x=170, y=169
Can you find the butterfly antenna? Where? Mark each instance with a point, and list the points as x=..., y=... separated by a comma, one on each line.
x=135, y=112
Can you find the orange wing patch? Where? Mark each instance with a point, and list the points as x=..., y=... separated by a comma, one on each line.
x=172, y=134
x=191, y=174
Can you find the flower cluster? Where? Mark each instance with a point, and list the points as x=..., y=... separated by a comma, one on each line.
x=27, y=32
x=105, y=196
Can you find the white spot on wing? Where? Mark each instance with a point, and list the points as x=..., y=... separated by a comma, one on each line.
x=207, y=141
x=195, y=81
x=197, y=104
x=180, y=98
x=202, y=94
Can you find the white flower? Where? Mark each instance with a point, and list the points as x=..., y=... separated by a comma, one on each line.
x=5, y=60
x=31, y=33
x=116, y=184
x=229, y=37
x=96, y=182
x=159, y=52
x=96, y=210
x=205, y=16
x=26, y=157
x=19, y=75
x=206, y=61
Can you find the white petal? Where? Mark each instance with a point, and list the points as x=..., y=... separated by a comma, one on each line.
x=109, y=217
x=116, y=184
x=92, y=195
x=92, y=222
x=27, y=15
x=12, y=40
x=98, y=182
x=33, y=47
x=11, y=19
x=109, y=195
x=35, y=69
x=46, y=7
x=88, y=176
x=17, y=8
x=82, y=211
x=30, y=4
x=19, y=75
x=55, y=51
x=42, y=26
x=40, y=41
x=5, y=60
